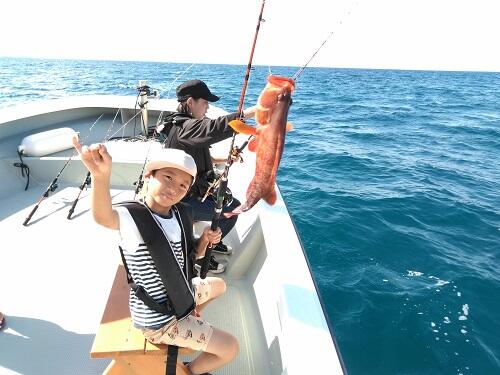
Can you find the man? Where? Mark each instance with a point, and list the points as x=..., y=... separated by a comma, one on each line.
x=188, y=129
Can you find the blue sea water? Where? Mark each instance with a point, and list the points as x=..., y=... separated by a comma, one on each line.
x=393, y=181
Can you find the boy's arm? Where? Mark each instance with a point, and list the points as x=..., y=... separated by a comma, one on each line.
x=98, y=161
x=102, y=209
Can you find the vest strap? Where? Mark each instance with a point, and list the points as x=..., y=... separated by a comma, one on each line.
x=180, y=297
x=171, y=367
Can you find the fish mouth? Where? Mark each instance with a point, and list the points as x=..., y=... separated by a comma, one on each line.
x=283, y=82
x=285, y=97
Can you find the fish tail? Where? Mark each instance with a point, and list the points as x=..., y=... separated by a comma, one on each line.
x=252, y=145
x=271, y=197
x=234, y=212
x=238, y=210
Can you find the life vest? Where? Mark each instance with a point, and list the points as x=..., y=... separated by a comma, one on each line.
x=177, y=282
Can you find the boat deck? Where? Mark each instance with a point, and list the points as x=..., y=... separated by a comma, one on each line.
x=55, y=287
x=56, y=274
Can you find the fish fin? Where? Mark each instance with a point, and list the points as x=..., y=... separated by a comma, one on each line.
x=271, y=197
x=238, y=210
x=289, y=127
x=227, y=215
x=252, y=145
x=240, y=127
x=263, y=115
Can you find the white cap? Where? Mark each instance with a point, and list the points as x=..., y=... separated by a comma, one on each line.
x=172, y=158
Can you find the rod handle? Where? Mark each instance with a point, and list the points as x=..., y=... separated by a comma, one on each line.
x=26, y=221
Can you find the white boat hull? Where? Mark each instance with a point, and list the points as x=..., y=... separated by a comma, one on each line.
x=56, y=273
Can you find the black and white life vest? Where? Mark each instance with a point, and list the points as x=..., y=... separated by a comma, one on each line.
x=177, y=281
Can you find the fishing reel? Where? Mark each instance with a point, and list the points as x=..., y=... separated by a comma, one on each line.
x=236, y=154
x=228, y=196
x=213, y=189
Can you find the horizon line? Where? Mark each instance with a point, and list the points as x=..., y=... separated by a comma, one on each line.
x=253, y=65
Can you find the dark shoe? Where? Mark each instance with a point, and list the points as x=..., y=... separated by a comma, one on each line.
x=187, y=365
x=214, y=266
x=220, y=248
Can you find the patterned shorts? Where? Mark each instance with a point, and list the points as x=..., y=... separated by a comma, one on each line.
x=190, y=332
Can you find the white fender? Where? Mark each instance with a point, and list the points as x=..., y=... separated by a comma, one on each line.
x=48, y=142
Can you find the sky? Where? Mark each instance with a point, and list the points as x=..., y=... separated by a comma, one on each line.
x=381, y=34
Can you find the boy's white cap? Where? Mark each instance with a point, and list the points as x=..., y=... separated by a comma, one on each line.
x=173, y=158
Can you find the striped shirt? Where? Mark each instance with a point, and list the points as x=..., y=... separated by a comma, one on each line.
x=142, y=268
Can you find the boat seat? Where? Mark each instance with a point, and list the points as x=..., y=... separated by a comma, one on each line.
x=118, y=339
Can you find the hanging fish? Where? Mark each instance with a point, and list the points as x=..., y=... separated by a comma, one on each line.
x=271, y=117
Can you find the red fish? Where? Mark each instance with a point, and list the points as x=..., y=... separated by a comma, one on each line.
x=271, y=117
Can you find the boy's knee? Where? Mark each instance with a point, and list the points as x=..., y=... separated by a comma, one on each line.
x=234, y=347
x=223, y=286
x=218, y=287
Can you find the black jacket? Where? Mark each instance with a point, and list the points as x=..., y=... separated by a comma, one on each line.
x=195, y=137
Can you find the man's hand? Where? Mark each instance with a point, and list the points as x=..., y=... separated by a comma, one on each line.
x=249, y=112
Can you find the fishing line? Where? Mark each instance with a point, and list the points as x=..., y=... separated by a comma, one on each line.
x=124, y=125
x=178, y=77
x=181, y=74
x=301, y=70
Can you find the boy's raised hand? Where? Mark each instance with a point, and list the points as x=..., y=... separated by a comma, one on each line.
x=95, y=157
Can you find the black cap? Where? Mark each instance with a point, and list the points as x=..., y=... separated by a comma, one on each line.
x=196, y=89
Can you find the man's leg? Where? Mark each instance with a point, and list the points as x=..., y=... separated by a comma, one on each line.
x=205, y=211
x=202, y=211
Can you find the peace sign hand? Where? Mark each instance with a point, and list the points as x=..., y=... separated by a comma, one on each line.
x=95, y=157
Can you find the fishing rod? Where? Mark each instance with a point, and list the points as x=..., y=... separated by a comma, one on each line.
x=221, y=190
x=235, y=154
x=237, y=150
x=301, y=70
x=87, y=180
x=140, y=181
x=53, y=185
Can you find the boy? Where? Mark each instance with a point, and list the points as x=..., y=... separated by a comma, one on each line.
x=168, y=175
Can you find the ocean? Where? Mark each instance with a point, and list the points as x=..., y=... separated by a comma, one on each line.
x=392, y=179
